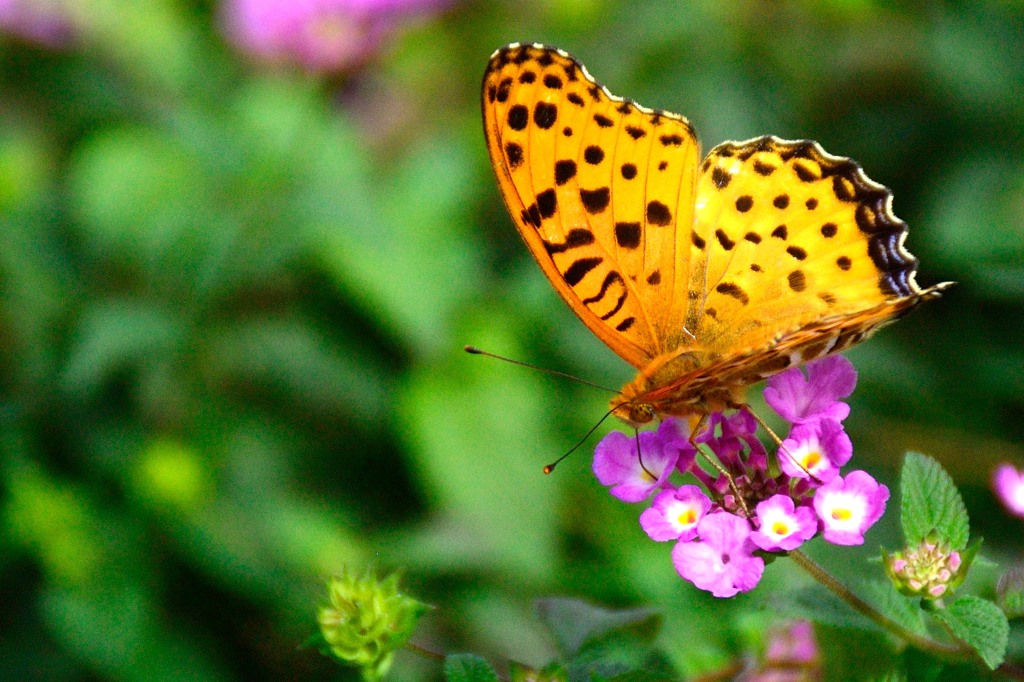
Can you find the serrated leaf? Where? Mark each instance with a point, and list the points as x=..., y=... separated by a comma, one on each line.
x=574, y=623
x=930, y=501
x=980, y=624
x=468, y=668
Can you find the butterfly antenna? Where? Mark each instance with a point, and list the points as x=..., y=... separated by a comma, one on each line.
x=551, y=467
x=473, y=350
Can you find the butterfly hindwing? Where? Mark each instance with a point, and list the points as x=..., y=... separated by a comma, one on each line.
x=795, y=237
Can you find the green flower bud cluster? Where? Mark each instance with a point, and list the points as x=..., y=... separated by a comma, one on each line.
x=367, y=620
x=930, y=570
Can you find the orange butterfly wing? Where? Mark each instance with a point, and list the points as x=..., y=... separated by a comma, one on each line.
x=596, y=186
x=707, y=277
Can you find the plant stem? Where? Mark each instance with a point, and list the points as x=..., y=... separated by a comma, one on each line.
x=954, y=651
x=424, y=652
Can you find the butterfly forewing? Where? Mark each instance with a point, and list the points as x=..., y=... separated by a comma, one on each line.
x=597, y=186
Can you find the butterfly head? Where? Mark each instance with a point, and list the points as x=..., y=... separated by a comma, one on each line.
x=635, y=414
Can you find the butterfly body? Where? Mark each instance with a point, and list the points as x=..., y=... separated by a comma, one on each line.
x=705, y=275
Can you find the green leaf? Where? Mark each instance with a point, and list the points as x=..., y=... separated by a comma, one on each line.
x=574, y=623
x=980, y=624
x=930, y=501
x=1010, y=592
x=818, y=605
x=552, y=672
x=468, y=668
x=897, y=607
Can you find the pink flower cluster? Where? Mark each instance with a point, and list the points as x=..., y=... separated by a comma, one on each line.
x=725, y=526
x=319, y=35
x=44, y=22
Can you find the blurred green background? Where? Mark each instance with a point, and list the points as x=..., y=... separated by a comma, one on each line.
x=234, y=292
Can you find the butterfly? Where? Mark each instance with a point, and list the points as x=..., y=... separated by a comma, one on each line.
x=706, y=275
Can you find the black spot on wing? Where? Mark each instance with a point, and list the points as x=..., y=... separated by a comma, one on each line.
x=579, y=269
x=603, y=121
x=545, y=114
x=797, y=280
x=595, y=200
x=531, y=215
x=575, y=239
x=609, y=279
x=796, y=252
x=724, y=240
x=547, y=203
x=635, y=132
x=627, y=235
x=658, y=214
x=734, y=290
x=503, y=90
x=518, y=117
x=514, y=154
x=593, y=155
x=720, y=177
x=805, y=172
x=565, y=171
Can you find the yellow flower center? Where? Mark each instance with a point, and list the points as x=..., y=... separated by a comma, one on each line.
x=841, y=514
x=687, y=518
x=811, y=459
x=780, y=528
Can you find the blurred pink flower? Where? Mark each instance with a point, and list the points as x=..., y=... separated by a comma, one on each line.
x=791, y=656
x=1009, y=485
x=319, y=35
x=46, y=22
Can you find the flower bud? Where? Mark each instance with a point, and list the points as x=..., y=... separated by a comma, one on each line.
x=931, y=570
x=367, y=620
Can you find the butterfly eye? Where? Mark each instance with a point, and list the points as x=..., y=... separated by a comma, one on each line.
x=641, y=413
